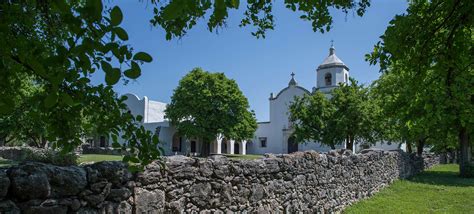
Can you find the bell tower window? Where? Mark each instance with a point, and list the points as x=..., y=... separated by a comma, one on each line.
x=328, y=79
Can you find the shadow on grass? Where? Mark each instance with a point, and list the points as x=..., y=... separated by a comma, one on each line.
x=445, y=178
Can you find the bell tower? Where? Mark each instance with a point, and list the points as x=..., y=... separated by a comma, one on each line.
x=331, y=72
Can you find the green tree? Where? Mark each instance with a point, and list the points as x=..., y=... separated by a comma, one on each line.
x=309, y=115
x=207, y=104
x=430, y=49
x=347, y=116
x=59, y=45
x=354, y=118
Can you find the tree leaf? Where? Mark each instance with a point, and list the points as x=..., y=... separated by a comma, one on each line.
x=235, y=3
x=133, y=72
x=116, y=16
x=112, y=76
x=66, y=99
x=106, y=67
x=51, y=100
x=142, y=56
x=121, y=33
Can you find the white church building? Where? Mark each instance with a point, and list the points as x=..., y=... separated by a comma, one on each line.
x=272, y=136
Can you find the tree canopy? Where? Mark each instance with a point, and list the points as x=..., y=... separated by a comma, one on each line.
x=428, y=53
x=58, y=45
x=176, y=17
x=207, y=104
x=346, y=115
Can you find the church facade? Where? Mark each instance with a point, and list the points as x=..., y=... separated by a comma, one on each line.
x=273, y=136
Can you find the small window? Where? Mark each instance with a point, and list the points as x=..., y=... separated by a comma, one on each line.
x=347, y=79
x=263, y=142
x=328, y=79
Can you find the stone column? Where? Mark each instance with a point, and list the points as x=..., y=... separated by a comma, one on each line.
x=243, y=147
x=219, y=144
x=230, y=146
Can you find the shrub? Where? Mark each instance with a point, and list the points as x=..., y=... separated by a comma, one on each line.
x=51, y=156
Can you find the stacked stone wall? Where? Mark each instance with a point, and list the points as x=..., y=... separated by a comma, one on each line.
x=304, y=181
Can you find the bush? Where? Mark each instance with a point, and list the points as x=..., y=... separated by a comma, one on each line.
x=51, y=156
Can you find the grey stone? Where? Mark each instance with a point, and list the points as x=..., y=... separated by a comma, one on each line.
x=149, y=201
x=87, y=210
x=46, y=210
x=96, y=199
x=116, y=208
x=8, y=207
x=4, y=184
x=29, y=184
x=119, y=194
x=72, y=203
x=38, y=180
x=114, y=171
x=200, y=193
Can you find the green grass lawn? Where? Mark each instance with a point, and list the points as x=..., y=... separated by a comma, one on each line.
x=437, y=190
x=243, y=157
x=96, y=158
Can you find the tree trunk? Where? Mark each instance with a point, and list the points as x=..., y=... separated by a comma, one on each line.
x=419, y=146
x=205, y=148
x=409, y=150
x=350, y=143
x=464, y=153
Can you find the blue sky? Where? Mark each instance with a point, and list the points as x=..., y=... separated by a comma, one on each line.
x=260, y=66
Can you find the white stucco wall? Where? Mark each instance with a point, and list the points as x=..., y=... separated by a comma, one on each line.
x=135, y=105
x=156, y=112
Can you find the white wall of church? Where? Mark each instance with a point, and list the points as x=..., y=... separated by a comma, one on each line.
x=156, y=111
x=135, y=104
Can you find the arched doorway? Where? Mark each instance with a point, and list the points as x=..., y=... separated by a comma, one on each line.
x=176, y=146
x=224, y=146
x=193, y=146
x=292, y=145
x=236, y=148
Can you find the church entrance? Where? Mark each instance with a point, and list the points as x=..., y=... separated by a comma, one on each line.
x=236, y=148
x=292, y=145
x=224, y=147
x=193, y=146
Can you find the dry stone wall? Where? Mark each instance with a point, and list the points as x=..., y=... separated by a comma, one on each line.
x=304, y=181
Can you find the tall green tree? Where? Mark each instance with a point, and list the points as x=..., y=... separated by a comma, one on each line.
x=207, y=104
x=430, y=49
x=346, y=116
x=59, y=45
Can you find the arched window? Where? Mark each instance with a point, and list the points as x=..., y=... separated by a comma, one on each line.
x=328, y=79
